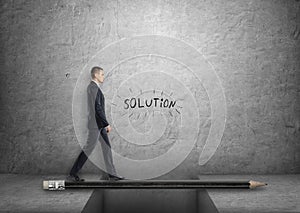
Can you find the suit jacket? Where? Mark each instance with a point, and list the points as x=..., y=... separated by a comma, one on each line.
x=96, y=107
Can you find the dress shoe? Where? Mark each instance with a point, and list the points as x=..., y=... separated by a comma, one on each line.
x=115, y=178
x=74, y=178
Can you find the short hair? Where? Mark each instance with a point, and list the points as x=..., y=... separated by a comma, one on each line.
x=95, y=70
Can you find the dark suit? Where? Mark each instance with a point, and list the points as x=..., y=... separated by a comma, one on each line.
x=96, y=130
x=96, y=107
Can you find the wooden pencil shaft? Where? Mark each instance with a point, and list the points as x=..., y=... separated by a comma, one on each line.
x=159, y=182
x=153, y=186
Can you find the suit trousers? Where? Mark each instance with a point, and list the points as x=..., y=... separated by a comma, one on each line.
x=95, y=135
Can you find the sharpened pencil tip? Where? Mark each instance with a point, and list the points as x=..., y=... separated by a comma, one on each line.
x=254, y=184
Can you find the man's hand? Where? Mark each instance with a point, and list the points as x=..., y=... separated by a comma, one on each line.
x=108, y=129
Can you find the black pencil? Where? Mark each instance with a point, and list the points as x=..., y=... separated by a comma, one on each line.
x=151, y=184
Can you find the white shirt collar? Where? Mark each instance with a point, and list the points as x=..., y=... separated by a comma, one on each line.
x=96, y=83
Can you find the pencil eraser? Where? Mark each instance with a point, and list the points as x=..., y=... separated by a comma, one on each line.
x=45, y=184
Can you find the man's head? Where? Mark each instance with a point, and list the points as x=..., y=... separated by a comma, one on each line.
x=97, y=74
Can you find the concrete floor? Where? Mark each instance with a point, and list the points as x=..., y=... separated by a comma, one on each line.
x=281, y=195
x=24, y=193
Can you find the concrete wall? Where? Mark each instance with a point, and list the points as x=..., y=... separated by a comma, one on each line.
x=253, y=46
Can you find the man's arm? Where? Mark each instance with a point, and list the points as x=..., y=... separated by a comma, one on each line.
x=100, y=109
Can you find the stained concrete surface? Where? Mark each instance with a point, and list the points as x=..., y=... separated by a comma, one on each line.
x=24, y=193
x=253, y=46
x=282, y=194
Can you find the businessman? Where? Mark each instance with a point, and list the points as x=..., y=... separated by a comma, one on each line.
x=98, y=128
